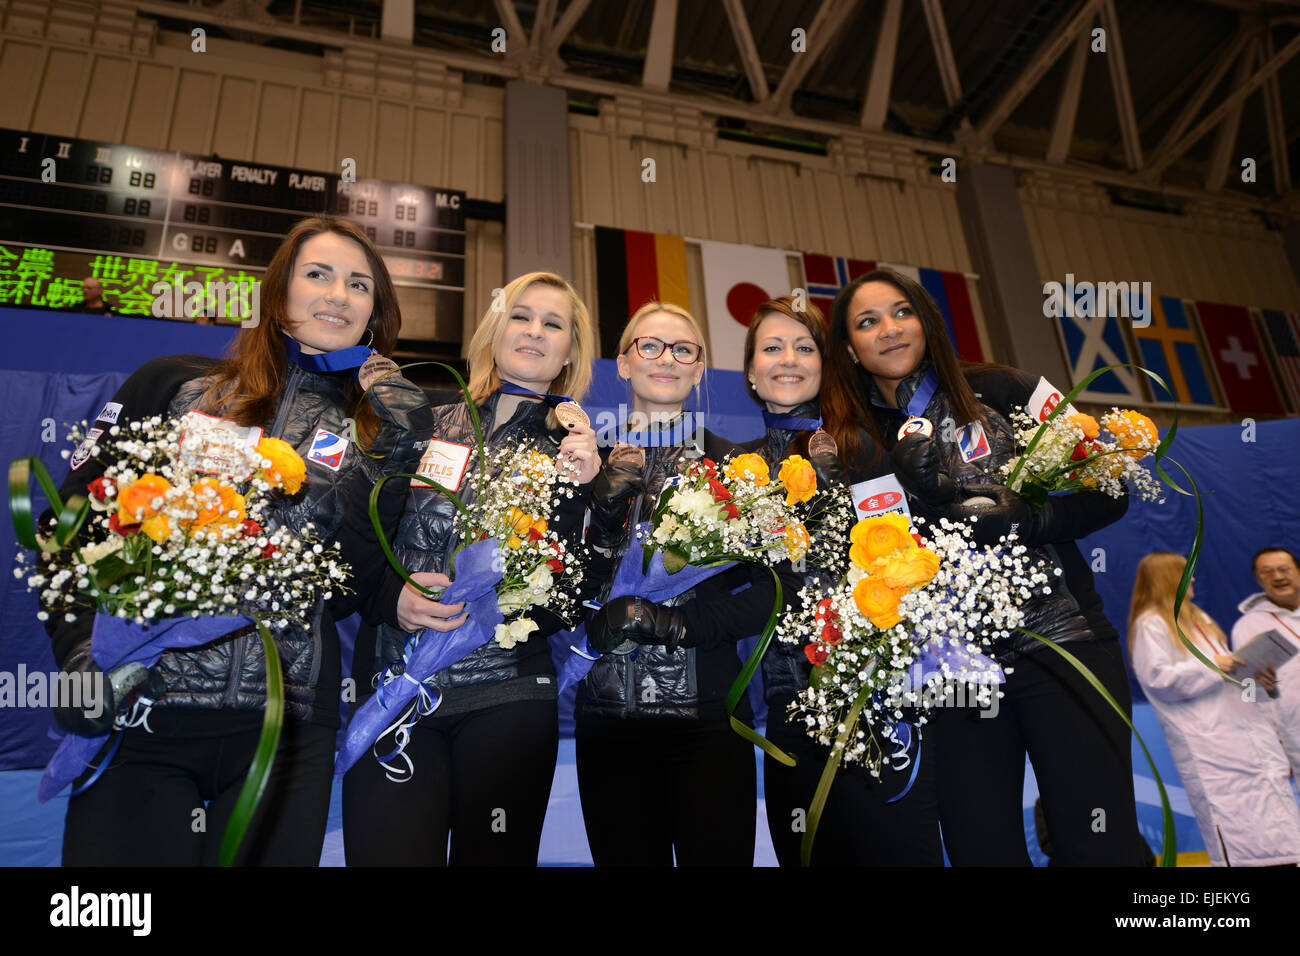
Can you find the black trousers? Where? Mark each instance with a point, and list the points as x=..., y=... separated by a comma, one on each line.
x=148, y=808
x=859, y=826
x=652, y=787
x=1079, y=749
x=483, y=778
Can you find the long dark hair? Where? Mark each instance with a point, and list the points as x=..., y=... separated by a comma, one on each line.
x=846, y=392
x=247, y=383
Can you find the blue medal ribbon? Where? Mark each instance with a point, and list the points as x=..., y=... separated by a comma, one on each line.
x=510, y=388
x=790, y=422
x=924, y=392
x=339, y=360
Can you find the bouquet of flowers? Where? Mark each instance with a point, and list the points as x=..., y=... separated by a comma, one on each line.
x=180, y=551
x=173, y=534
x=537, y=570
x=508, y=562
x=738, y=510
x=1069, y=452
x=910, y=621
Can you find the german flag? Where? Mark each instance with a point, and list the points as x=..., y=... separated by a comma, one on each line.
x=633, y=268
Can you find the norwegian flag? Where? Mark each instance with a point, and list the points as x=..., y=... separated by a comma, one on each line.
x=826, y=275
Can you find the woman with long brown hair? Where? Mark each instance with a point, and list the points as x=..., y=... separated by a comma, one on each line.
x=866, y=822
x=326, y=306
x=1230, y=762
x=890, y=358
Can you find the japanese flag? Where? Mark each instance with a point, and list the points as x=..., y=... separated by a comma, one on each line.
x=737, y=280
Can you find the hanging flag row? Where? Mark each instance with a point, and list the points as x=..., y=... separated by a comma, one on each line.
x=1211, y=354
x=633, y=268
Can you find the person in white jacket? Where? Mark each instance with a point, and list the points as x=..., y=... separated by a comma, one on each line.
x=1276, y=608
x=1229, y=760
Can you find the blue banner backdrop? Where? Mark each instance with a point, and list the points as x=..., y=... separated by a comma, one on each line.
x=74, y=363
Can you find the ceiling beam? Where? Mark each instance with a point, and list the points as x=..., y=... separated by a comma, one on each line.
x=1277, y=141
x=748, y=51
x=1034, y=70
x=1119, y=87
x=659, y=52
x=942, y=51
x=1067, y=107
x=875, y=102
x=825, y=27
x=1163, y=159
x=541, y=27
x=516, y=38
x=1230, y=123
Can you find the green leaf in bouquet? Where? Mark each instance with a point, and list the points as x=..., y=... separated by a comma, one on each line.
x=70, y=515
x=674, y=560
x=383, y=538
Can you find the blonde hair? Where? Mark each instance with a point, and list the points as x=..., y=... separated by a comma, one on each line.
x=574, y=378
x=1154, y=590
x=650, y=308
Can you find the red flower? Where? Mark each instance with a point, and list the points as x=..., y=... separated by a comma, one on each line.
x=917, y=539
x=831, y=633
x=534, y=534
x=816, y=654
x=116, y=527
x=710, y=467
x=718, y=490
x=269, y=551
x=556, y=565
x=730, y=511
x=1080, y=452
x=250, y=528
x=101, y=488
x=825, y=611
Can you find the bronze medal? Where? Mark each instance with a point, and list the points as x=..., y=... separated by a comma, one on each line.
x=373, y=369
x=627, y=456
x=570, y=414
x=821, y=443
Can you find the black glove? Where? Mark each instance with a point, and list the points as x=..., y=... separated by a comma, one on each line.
x=612, y=492
x=1009, y=512
x=100, y=695
x=829, y=470
x=917, y=465
x=624, y=622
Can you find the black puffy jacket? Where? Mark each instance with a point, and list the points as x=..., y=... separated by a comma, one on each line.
x=230, y=673
x=690, y=683
x=425, y=541
x=1072, y=612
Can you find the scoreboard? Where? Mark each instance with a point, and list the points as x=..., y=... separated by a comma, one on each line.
x=217, y=214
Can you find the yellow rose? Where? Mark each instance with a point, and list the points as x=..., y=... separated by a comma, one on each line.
x=799, y=479
x=1089, y=425
x=878, y=601
x=1135, y=432
x=514, y=542
x=797, y=541
x=158, y=528
x=911, y=569
x=520, y=521
x=286, y=469
x=135, y=502
x=754, y=464
x=879, y=537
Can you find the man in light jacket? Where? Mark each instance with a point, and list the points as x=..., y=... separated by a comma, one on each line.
x=1277, y=608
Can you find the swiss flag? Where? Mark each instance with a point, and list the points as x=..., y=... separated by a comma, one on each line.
x=1240, y=359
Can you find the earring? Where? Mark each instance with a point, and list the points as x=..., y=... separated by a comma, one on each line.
x=566, y=361
x=371, y=340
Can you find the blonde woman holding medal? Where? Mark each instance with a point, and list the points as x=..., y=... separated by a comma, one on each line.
x=946, y=427
x=479, y=768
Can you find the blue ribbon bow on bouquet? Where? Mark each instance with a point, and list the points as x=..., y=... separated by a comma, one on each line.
x=477, y=573
x=654, y=584
x=116, y=641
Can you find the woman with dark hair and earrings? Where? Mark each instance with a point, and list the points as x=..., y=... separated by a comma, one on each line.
x=866, y=822
x=327, y=304
x=660, y=771
x=889, y=351
x=482, y=762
